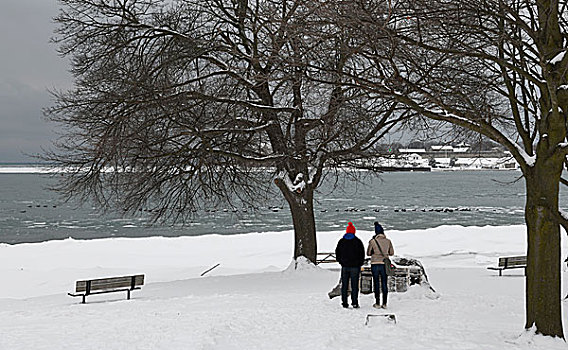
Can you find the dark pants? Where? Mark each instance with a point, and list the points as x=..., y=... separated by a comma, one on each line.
x=378, y=270
x=350, y=274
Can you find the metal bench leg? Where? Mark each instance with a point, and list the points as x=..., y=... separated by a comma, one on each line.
x=500, y=272
x=84, y=296
x=128, y=294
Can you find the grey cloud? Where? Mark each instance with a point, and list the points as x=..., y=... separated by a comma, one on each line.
x=29, y=66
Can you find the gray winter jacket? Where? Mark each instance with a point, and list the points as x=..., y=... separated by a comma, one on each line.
x=374, y=252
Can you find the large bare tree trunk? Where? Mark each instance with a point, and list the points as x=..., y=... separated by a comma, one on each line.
x=304, y=230
x=302, y=210
x=543, y=298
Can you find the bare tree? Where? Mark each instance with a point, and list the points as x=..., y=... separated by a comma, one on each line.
x=196, y=101
x=494, y=67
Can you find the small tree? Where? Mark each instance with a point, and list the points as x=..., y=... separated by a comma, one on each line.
x=200, y=101
x=497, y=68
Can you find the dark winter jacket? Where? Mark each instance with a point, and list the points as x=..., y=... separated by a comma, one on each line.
x=350, y=251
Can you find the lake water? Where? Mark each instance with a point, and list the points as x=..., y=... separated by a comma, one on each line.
x=412, y=200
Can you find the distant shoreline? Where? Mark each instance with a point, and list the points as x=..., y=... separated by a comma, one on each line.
x=37, y=168
x=26, y=168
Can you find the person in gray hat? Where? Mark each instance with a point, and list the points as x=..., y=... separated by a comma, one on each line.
x=379, y=248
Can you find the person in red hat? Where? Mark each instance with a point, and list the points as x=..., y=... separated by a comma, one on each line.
x=350, y=254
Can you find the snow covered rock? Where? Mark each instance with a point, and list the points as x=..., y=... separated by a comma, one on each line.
x=409, y=272
x=301, y=264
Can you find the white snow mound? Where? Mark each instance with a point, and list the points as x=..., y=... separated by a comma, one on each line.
x=301, y=264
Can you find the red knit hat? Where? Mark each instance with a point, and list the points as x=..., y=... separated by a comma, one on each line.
x=350, y=228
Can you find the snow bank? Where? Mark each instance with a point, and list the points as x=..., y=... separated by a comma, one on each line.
x=52, y=267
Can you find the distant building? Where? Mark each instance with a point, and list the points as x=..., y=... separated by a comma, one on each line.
x=447, y=157
x=441, y=148
x=412, y=150
x=461, y=148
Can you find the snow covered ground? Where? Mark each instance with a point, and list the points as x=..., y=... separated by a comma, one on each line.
x=255, y=300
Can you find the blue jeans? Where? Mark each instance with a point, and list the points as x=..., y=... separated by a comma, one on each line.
x=378, y=270
x=350, y=274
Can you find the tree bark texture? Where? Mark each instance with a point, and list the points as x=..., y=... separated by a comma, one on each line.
x=302, y=210
x=304, y=230
x=543, y=282
x=543, y=296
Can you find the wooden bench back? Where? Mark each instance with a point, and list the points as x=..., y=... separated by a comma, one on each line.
x=322, y=258
x=511, y=261
x=109, y=283
x=330, y=258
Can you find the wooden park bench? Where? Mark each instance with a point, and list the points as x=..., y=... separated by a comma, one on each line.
x=108, y=285
x=323, y=258
x=327, y=258
x=511, y=262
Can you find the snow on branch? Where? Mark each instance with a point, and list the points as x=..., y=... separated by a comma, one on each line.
x=225, y=70
x=529, y=160
x=237, y=130
x=251, y=104
x=558, y=58
x=296, y=186
x=249, y=159
x=134, y=23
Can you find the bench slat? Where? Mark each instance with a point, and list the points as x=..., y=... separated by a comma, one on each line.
x=109, y=283
x=327, y=258
x=512, y=261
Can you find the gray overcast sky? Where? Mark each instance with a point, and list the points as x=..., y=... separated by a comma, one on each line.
x=29, y=66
